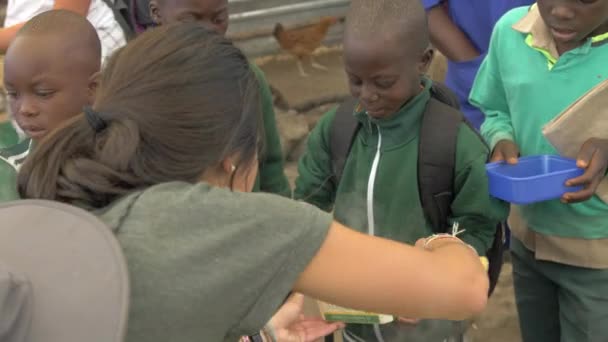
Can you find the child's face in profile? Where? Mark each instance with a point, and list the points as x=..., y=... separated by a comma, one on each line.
x=44, y=87
x=382, y=74
x=212, y=13
x=571, y=22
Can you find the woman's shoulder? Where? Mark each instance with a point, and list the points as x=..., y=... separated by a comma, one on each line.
x=186, y=206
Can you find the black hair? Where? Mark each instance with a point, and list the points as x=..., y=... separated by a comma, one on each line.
x=403, y=20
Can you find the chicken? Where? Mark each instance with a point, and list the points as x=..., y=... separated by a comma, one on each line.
x=302, y=42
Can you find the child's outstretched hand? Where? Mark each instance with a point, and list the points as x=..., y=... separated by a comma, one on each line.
x=593, y=157
x=505, y=150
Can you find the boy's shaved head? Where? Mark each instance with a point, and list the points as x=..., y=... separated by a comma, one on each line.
x=401, y=20
x=75, y=33
x=386, y=53
x=51, y=71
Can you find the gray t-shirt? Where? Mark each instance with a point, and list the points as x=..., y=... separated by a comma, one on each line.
x=207, y=264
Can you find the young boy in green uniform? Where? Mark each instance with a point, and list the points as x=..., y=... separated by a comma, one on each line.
x=51, y=71
x=214, y=14
x=386, y=54
x=541, y=59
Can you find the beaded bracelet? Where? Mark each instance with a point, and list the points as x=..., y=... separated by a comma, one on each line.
x=265, y=335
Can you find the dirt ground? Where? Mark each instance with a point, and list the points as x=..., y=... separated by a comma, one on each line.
x=499, y=322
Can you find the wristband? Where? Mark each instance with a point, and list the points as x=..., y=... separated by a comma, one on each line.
x=434, y=237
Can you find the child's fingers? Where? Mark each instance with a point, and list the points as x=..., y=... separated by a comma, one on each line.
x=511, y=153
x=593, y=160
x=585, y=155
x=595, y=169
x=580, y=196
x=497, y=157
x=583, y=179
x=506, y=150
x=591, y=179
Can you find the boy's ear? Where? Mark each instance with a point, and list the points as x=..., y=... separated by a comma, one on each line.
x=426, y=60
x=154, y=12
x=93, y=84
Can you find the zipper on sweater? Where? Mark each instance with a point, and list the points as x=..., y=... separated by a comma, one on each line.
x=370, y=206
x=370, y=186
x=16, y=160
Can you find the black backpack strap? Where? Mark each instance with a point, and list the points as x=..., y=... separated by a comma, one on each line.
x=343, y=130
x=443, y=94
x=436, y=167
x=437, y=156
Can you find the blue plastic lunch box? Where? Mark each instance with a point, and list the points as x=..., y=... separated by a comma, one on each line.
x=534, y=179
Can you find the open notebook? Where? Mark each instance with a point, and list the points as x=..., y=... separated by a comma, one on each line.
x=586, y=118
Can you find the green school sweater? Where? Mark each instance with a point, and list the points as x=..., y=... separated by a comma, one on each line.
x=8, y=182
x=8, y=136
x=10, y=159
x=271, y=177
x=397, y=212
x=520, y=92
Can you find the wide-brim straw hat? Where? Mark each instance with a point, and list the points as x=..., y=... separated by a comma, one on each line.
x=63, y=276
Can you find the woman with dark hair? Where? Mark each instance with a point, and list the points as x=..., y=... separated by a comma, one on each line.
x=167, y=156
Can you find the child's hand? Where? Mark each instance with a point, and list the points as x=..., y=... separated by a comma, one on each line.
x=593, y=157
x=505, y=150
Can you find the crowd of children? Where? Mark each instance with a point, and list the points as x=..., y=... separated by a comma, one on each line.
x=206, y=259
x=165, y=139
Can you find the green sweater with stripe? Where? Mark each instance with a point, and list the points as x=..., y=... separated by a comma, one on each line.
x=10, y=159
x=396, y=209
x=520, y=88
x=271, y=176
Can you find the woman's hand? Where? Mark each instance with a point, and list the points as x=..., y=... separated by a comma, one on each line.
x=289, y=325
x=593, y=157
